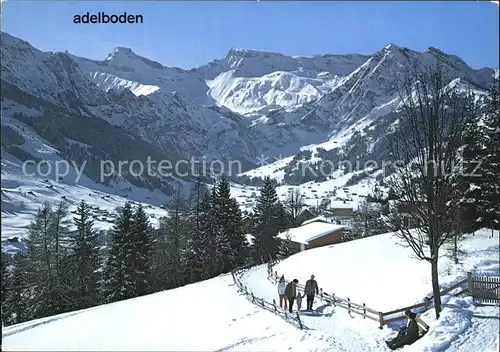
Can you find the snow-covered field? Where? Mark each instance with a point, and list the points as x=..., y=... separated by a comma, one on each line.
x=213, y=316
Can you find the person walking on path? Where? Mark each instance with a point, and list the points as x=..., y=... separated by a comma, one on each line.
x=281, y=292
x=310, y=290
x=291, y=293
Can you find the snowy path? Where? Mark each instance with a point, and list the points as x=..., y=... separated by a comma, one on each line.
x=344, y=332
x=206, y=316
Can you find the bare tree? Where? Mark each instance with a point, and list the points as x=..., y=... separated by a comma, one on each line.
x=294, y=202
x=425, y=157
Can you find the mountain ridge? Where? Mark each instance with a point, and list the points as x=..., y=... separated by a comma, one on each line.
x=241, y=106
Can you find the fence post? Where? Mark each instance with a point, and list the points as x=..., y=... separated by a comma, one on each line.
x=300, y=321
x=333, y=299
x=364, y=311
x=321, y=293
x=349, y=305
x=381, y=320
x=253, y=297
x=274, y=304
x=469, y=283
x=427, y=302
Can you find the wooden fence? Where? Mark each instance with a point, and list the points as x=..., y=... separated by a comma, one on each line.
x=336, y=301
x=293, y=319
x=397, y=314
x=482, y=289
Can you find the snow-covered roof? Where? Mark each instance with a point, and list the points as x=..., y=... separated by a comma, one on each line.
x=307, y=233
x=341, y=205
x=306, y=210
x=318, y=218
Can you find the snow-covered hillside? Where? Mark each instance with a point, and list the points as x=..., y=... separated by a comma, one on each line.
x=212, y=315
x=207, y=316
x=379, y=272
x=25, y=189
x=390, y=273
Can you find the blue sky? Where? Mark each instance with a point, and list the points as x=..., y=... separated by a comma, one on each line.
x=188, y=34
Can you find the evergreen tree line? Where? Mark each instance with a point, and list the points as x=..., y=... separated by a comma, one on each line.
x=480, y=179
x=66, y=269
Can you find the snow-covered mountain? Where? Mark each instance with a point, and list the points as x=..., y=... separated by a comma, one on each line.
x=244, y=106
x=247, y=81
x=123, y=69
x=130, y=92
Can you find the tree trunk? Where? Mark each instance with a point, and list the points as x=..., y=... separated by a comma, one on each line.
x=435, y=286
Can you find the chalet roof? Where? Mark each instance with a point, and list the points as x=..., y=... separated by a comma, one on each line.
x=307, y=233
x=341, y=205
x=318, y=218
x=307, y=210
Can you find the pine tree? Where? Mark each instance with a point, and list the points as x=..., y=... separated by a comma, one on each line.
x=173, y=230
x=208, y=244
x=479, y=180
x=237, y=237
x=85, y=258
x=470, y=183
x=491, y=161
x=199, y=241
x=285, y=220
x=158, y=279
x=17, y=299
x=45, y=274
x=225, y=222
x=142, y=235
x=5, y=286
x=269, y=221
x=61, y=229
x=119, y=283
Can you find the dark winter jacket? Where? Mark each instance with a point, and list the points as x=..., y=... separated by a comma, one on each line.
x=412, y=330
x=291, y=290
x=311, y=287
